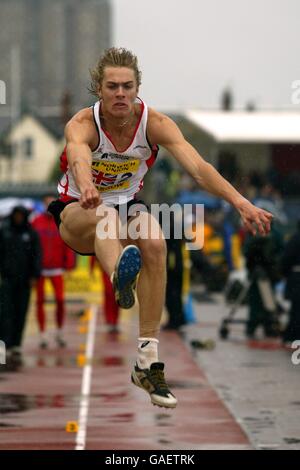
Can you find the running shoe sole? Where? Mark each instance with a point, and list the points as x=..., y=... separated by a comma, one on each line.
x=124, y=281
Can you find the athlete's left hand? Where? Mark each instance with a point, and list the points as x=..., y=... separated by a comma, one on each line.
x=255, y=218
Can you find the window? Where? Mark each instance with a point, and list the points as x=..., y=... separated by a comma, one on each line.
x=28, y=147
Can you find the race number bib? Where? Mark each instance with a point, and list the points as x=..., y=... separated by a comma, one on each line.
x=113, y=176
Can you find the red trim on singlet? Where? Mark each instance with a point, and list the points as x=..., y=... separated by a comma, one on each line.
x=140, y=187
x=149, y=163
x=152, y=157
x=64, y=160
x=66, y=198
x=134, y=134
x=65, y=186
x=64, y=168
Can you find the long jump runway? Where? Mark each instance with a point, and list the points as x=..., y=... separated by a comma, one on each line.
x=81, y=397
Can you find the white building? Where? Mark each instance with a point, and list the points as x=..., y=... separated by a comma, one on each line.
x=253, y=141
x=35, y=149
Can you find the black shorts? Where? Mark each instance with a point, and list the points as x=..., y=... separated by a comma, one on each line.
x=129, y=210
x=56, y=207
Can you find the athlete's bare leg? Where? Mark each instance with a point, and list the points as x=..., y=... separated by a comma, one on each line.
x=151, y=293
x=152, y=280
x=78, y=229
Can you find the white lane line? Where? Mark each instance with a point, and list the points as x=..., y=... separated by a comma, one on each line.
x=86, y=381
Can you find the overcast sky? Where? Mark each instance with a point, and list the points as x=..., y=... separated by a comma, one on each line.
x=189, y=50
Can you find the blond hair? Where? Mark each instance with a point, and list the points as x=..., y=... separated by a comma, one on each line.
x=114, y=57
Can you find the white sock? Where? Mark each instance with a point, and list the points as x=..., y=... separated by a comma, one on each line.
x=147, y=352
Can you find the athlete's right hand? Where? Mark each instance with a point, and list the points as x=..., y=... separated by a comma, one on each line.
x=90, y=198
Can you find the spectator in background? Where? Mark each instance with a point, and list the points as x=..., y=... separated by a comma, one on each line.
x=178, y=294
x=174, y=287
x=20, y=263
x=111, y=309
x=290, y=265
x=262, y=260
x=56, y=257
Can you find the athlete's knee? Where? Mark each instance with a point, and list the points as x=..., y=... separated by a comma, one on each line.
x=78, y=224
x=154, y=253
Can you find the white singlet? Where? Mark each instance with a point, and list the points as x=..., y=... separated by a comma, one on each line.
x=118, y=175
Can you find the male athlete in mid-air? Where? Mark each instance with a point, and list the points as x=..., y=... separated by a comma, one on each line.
x=109, y=149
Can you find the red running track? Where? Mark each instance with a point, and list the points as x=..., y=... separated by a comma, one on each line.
x=38, y=401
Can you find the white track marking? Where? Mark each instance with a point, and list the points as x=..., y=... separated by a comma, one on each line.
x=86, y=381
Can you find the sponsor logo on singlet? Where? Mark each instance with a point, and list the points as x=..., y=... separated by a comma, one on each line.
x=113, y=175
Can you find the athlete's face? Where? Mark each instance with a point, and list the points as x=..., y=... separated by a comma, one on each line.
x=119, y=90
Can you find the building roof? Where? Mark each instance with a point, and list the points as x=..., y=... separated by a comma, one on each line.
x=5, y=122
x=53, y=124
x=248, y=127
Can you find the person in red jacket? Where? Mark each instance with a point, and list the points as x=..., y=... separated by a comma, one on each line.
x=56, y=257
x=111, y=309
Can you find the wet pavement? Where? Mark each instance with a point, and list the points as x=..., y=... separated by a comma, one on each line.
x=44, y=399
x=236, y=396
x=255, y=379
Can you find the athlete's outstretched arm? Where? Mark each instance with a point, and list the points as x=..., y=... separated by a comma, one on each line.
x=79, y=135
x=162, y=130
